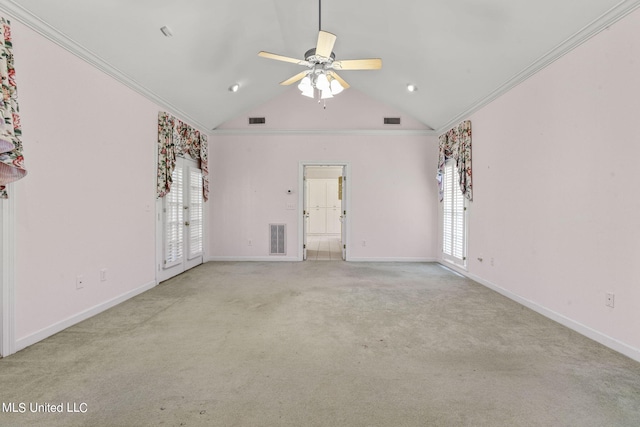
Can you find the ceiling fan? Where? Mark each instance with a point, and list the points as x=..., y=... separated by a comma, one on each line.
x=322, y=65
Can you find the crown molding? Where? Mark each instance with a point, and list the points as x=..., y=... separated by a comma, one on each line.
x=607, y=19
x=27, y=18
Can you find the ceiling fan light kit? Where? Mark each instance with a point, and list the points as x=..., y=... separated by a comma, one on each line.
x=321, y=80
x=321, y=76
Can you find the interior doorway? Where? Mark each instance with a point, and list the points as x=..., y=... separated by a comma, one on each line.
x=324, y=211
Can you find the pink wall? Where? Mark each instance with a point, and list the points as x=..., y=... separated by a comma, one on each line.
x=393, y=193
x=349, y=110
x=88, y=201
x=555, y=179
x=554, y=173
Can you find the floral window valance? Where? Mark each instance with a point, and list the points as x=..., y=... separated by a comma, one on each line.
x=177, y=138
x=11, y=159
x=456, y=144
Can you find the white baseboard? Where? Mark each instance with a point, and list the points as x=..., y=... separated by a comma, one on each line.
x=281, y=258
x=252, y=259
x=588, y=332
x=77, y=318
x=385, y=259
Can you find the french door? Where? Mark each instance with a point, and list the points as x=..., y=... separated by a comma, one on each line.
x=454, y=217
x=182, y=221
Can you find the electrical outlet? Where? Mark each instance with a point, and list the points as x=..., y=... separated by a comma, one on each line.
x=609, y=299
x=491, y=261
x=79, y=281
x=103, y=275
x=364, y=243
x=291, y=206
x=249, y=243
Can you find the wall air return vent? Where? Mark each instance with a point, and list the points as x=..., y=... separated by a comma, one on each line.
x=392, y=120
x=277, y=239
x=257, y=120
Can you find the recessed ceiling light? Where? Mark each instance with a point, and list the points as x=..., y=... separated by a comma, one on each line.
x=234, y=87
x=412, y=88
x=166, y=31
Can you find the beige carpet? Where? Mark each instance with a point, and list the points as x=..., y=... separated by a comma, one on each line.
x=321, y=344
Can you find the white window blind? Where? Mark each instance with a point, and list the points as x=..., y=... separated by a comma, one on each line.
x=454, y=217
x=173, y=221
x=195, y=213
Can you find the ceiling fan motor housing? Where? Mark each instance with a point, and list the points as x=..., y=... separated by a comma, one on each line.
x=311, y=56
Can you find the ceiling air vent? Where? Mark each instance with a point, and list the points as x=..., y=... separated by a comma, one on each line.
x=257, y=120
x=392, y=120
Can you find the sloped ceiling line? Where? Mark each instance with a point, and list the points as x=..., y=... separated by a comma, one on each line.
x=613, y=15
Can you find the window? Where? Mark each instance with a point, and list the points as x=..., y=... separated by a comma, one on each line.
x=454, y=217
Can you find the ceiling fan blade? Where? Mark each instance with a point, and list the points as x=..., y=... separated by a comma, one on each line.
x=358, y=64
x=270, y=55
x=295, y=78
x=325, y=44
x=340, y=79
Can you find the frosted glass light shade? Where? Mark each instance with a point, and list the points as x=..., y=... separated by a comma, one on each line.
x=304, y=83
x=308, y=92
x=336, y=87
x=326, y=94
x=322, y=83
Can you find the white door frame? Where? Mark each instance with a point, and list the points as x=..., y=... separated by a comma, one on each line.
x=344, y=208
x=305, y=215
x=7, y=274
x=161, y=273
x=301, y=190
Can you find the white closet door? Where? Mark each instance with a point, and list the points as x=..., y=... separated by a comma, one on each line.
x=332, y=193
x=317, y=193
x=317, y=220
x=333, y=220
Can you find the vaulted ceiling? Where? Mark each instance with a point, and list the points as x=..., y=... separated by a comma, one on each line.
x=460, y=53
